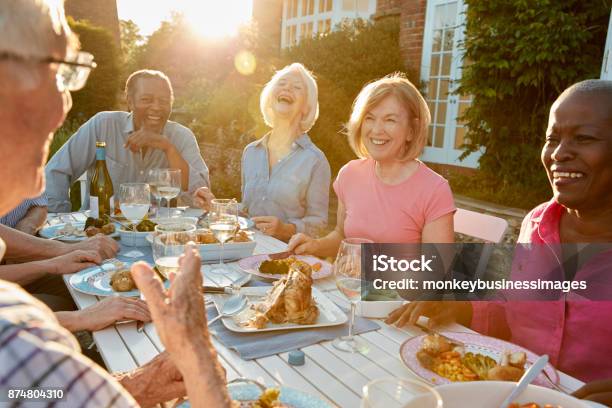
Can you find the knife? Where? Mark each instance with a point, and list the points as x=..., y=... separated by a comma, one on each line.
x=222, y=290
x=427, y=330
x=280, y=255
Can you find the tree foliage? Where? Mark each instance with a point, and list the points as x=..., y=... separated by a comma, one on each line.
x=343, y=62
x=522, y=54
x=100, y=92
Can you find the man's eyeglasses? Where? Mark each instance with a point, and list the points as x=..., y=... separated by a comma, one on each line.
x=71, y=75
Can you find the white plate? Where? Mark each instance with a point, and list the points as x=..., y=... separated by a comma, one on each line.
x=329, y=313
x=475, y=343
x=52, y=232
x=96, y=281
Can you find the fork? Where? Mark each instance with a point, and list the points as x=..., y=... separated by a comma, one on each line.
x=556, y=386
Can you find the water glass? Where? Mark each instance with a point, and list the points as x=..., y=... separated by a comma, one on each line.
x=165, y=183
x=167, y=248
x=347, y=273
x=400, y=393
x=223, y=222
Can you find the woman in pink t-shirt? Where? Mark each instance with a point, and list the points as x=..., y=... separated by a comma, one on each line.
x=387, y=195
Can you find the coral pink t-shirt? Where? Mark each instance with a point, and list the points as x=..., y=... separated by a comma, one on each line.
x=390, y=213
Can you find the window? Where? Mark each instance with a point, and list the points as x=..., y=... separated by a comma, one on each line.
x=356, y=5
x=290, y=35
x=307, y=7
x=324, y=26
x=293, y=8
x=306, y=30
x=325, y=5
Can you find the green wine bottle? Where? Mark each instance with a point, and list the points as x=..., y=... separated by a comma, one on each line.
x=101, y=188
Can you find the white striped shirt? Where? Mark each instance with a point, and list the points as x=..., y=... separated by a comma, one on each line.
x=12, y=218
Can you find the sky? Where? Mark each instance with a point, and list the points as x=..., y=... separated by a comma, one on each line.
x=212, y=18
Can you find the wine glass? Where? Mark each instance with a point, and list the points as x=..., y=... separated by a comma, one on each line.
x=165, y=183
x=223, y=222
x=167, y=248
x=134, y=201
x=400, y=393
x=347, y=272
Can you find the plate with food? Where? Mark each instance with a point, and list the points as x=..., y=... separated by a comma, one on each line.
x=79, y=231
x=262, y=265
x=250, y=394
x=291, y=303
x=241, y=245
x=448, y=357
x=108, y=279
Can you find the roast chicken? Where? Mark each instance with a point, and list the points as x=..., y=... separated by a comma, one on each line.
x=289, y=301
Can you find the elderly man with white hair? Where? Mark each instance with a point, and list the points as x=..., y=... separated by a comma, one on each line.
x=39, y=65
x=285, y=177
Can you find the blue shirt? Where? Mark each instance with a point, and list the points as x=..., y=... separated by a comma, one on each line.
x=12, y=219
x=78, y=155
x=295, y=190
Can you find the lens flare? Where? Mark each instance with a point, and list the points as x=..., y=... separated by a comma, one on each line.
x=245, y=62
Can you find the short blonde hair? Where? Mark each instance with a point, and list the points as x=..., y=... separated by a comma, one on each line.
x=410, y=98
x=312, y=96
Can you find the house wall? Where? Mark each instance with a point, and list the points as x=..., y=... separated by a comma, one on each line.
x=268, y=15
x=412, y=25
x=102, y=13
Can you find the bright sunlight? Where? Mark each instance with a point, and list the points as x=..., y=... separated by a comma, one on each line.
x=209, y=18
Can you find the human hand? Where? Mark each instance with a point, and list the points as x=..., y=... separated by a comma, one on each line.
x=146, y=138
x=598, y=391
x=155, y=382
x=179, y=312
x=273, y=226
x=203, y=198
x=72, y=262
x=104, y=245
x=302, y=244
x=27, y=227
x=109, y=310
x=439, y=313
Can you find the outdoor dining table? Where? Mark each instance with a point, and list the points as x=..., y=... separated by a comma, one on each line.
x=333, y=375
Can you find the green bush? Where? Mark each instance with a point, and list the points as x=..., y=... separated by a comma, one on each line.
x=522, y=55
x=100, y=92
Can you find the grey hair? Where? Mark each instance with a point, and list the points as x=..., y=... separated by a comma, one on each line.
x=130, y=84
x=33, y=29
x=312, y=96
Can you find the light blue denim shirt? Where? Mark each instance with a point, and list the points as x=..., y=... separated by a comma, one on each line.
x=78, y=155
x=295, y=190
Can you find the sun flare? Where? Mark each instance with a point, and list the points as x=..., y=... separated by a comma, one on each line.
x=208, y=18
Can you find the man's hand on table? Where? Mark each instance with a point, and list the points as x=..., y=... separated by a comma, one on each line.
x=104, y=313
x=72, y=262
x=155, y=382
x=180, y=320
x=598, y=391
x=104, y=245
